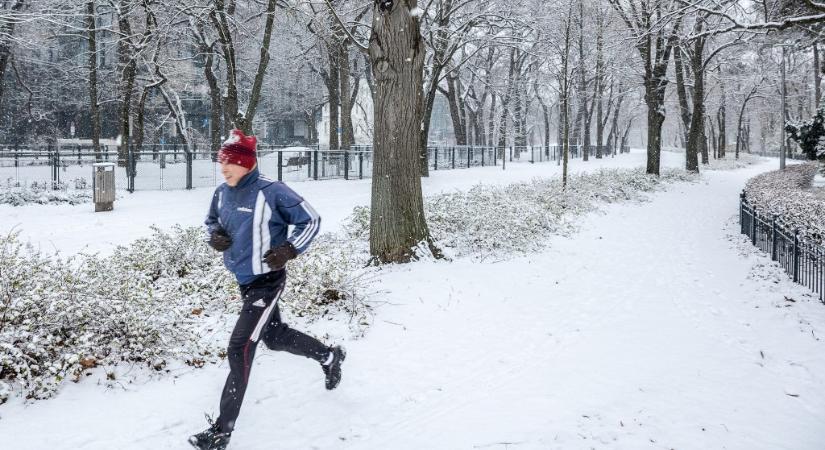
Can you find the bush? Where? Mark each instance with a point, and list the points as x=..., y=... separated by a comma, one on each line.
x=16, y=194
x=495, y=221
x=155, y=302
x=787, y=194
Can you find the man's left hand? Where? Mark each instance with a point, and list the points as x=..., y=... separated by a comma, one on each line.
x=277, y=257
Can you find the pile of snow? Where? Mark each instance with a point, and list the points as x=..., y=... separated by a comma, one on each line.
x=16, y=194
x=490, y=221
x=157, y=303
x=788, y=194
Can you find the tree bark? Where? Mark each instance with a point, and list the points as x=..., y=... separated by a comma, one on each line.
x=7, y=30
x=721, y=117
x=347, y=132
x=397, y=223
x=817, y=77
x=94, y=107
x=681, y=92
x=127, y=66
x=452, y=95
x=696, y=128
x=739, y=130
x=334, y=90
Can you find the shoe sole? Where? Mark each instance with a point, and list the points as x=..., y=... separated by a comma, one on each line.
x=343, y=357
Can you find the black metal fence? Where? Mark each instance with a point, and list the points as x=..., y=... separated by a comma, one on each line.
x=174, y=166
x=802, y=256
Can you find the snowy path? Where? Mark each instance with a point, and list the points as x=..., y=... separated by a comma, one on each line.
x=644, y=330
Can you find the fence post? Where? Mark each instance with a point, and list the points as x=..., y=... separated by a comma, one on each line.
x=130, y=172
x=742, y=212
x=469, y=155
x=483, y=151
x=753, y=225
x=796, y=255
x=361, y=165
x=346, y=165
x=315, y=166
x=773, y=238
x=188, y=155
x=54, y=157
x=453, y=156
x=280, y=165
x=435, y=157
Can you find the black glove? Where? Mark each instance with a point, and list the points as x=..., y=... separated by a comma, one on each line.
x=219, y=240
x=277, y=257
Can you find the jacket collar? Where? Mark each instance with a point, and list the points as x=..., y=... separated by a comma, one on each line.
x=248, y=179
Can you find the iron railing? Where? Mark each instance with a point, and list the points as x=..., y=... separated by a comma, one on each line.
x=801, y=255
x=172, y=166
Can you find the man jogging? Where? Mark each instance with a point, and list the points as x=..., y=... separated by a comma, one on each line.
x=249, y=222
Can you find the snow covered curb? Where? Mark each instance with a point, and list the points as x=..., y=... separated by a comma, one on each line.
x=788, y=194
x=157, y=303
x=492, y=222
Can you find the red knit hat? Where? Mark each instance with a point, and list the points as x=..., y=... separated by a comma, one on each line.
x=239, y=150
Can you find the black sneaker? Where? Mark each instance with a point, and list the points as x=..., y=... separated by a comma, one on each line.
x=210, y=439
x=332, y=371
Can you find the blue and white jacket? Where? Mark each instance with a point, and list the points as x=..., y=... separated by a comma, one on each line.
x=256, y=214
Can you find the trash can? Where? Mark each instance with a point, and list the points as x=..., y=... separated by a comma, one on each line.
x=103, y=186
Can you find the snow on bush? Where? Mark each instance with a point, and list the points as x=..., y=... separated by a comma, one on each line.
x=16, y=194
x=731, y=163
x=787, y=194
x=494, y=221
x=157, y=302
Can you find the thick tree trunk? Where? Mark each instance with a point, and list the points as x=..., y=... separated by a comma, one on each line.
x=397, y=224
x=714, y=142
x=7, y=30
x=94, y=108
x=215, y=105
x=347, y=132
x=818, y=69
x=696, y=127
x=519, y=128
x=491, y=122
x=425, y=125
x=600, y=81
x=334, y=90
x=452, y=95
x=681, y=92
x=127, y=66
x=655, y=84
x=722, y=119
x=505, y=105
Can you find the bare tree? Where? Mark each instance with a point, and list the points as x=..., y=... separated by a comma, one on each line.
x=654, y=36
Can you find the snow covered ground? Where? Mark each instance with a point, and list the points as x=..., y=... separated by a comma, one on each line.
x=655, y=326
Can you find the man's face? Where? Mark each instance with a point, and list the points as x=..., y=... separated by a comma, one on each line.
x=233, y=173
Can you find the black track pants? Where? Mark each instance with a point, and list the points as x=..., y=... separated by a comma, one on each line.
x=260, y=320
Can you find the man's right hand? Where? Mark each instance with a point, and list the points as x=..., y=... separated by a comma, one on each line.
x=219, y=240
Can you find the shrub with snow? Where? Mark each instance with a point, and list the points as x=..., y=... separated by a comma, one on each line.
x=731, y=163
x=787, y=194
x=17, y=194
x=494, y=221
x=157, y=302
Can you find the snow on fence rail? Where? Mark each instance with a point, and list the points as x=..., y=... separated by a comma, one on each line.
x=172, y=166
x=802, y=256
